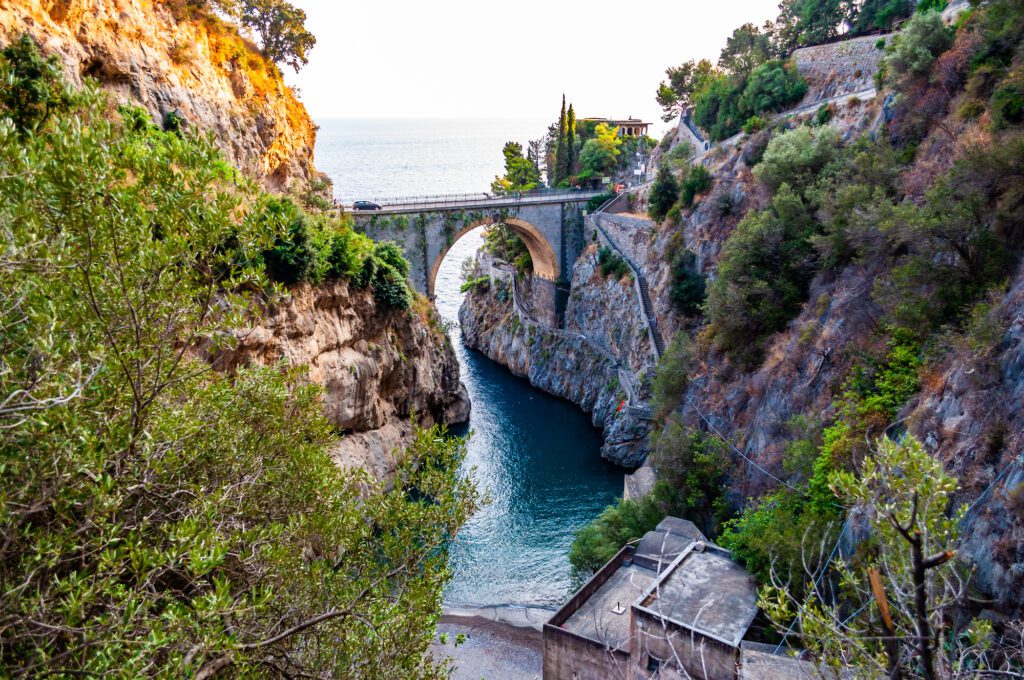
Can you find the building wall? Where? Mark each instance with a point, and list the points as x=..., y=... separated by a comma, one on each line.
x=700, y=656
x=568, y=656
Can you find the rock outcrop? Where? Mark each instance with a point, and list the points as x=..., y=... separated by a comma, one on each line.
x=578, y=363
x=169, y=57
x=378, y=367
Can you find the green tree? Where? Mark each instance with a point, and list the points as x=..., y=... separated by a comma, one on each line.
x=570, y=142
x=694, y=463
x=746, y=49
x=881, y=14
x=31, y=87
x=772, y=86
x=811, y=22
x=909, y=566
x=561, y=154
x=600, y=154
x=912, y=51
x=663, y=195
x=521, y=173
x=281, y=27
x=763, y=275
x=797, y=157
x=161, y=519
x=684, y=83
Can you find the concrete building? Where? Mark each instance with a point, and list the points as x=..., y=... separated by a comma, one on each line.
x=672, y=606
x=629, y=127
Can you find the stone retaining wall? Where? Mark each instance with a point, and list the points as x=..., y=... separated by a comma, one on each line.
x=838, y=68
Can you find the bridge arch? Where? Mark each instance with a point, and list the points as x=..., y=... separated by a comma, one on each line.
x=545, y=260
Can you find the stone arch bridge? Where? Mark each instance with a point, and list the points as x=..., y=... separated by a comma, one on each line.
x=550, y=224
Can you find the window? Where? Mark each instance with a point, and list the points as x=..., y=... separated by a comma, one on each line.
x=653, y=664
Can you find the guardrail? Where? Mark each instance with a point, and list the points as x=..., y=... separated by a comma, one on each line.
x=445, y=200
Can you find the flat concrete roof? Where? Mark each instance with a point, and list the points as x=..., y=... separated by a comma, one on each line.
x=595, y=620
x=708, y=592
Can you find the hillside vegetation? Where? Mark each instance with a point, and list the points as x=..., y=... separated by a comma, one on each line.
x=160, y=519
x=862, y=268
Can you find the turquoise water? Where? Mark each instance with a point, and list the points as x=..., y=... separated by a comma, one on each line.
x=535, y=455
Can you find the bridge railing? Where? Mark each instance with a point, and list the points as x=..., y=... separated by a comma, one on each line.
x=478, y=197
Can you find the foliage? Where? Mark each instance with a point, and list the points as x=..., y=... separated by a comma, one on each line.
x=876, y=15
x=678, y=157
x=746, y=49
x=479, y=283
x=688, y=287
x=611, y=264
x=696, y=464
x=161, y=519
x=754, y=124
x=663, y=194
x=905, y=495
x=763, y=275
x=797, y=156
x=595, y=202
x=698, y=179
x=521, y=174
x=297, y=254
x=32, y=87
x=684, y=81
x=912, y=51
x=599, y=155
x=624, y=521
x=812, y=22
x=717, y=107
x=504, y=243
x=281, y=28
x=671, y=376
x=772, y=86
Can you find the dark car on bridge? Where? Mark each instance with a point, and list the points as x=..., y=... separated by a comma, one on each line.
x=365, y=205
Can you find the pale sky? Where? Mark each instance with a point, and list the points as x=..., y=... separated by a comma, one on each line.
x=463, y=59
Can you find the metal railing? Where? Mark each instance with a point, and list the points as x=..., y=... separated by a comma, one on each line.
x=451, y=200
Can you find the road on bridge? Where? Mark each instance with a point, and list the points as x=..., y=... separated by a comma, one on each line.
x=470, y=201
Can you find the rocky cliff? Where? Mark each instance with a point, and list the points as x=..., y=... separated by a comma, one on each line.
x=378, y=367
x=166, y=56
x=579, y=362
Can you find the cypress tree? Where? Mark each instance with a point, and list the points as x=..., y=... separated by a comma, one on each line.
x=570, y=142
x=560, y=157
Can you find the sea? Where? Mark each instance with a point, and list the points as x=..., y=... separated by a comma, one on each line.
x=535, y=456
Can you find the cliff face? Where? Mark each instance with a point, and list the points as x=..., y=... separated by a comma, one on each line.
x=579, y=363
x=156, y=58
x=378, y=367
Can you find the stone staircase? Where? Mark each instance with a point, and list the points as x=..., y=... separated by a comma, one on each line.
x=652, y=320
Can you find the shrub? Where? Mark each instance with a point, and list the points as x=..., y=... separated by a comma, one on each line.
x=479, y=283
x=611, y=264
x=766, y=266
x=1007, y=102
x=687, y=285
x=797, y=156
x=772, y=86
x=296, y=256
x=697, y=181
x=663, y=195
x=680, y=155
x=32, y=88
x=754, y=124
x=823, y=115
x=671, y=376
x=913, y=49
x=625, y=521
x=695, y=463
x=596, y=202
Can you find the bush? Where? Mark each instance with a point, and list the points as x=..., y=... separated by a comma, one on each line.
x=754, y=124
x=663, y=195
x=32, y=88
x=479, y=283
x=823, y=115
x=696, y=464
x=772, y=86
x=687, y=292
x=913, y=49
x=797, y=156
x=625, y=521
x=596, y=202
x=296, y=255
x=766, y=266
x=1007, y=103
x=680, y=155
x=671, y=376
x=697, y=181
x=611, y=264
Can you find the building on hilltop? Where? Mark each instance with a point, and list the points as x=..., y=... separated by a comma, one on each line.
x=672, y=606
x=630, y=127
